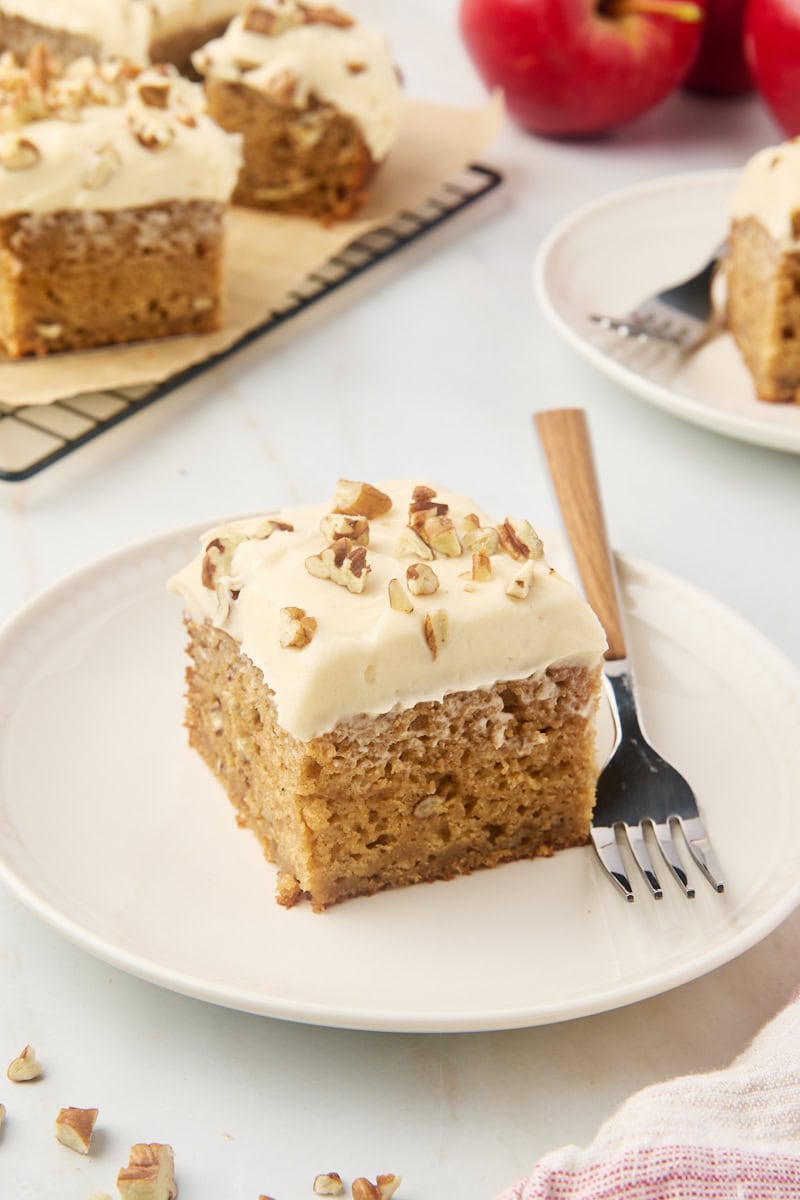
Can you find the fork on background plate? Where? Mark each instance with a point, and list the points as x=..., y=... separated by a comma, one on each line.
x=682, y=315
x=637, y=790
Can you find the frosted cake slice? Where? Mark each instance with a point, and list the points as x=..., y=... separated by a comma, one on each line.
x=316, y=97
x=114, y=185
x=391, y=687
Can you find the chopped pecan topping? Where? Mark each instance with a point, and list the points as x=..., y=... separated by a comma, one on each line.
x=149, y=1175
x=363, y=1189
x=325, y=14
x=398, y=598
x=260, y=20
x=521, y=583
x=481, y=566
x=281, y=88
x=411, y=545
x=436, y=627
x=329, y=1184
x=25, y=1067
x=74, y=1128
x=343, y=563
x=39, y=66
x=216, y=561
x=440, y=534
x=336, y=525
x=422, y=580
x=154, y=95
x=520, y=539
x=475, y=537
x=151, y=131
x=360, y=499
x=218, y=555
x=18, y=153
x=102, y=166
x=388, y=1185
x=296, y=628
x=356, y=68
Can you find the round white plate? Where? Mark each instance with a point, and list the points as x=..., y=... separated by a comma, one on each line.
x=114, y=831
x=611, y=254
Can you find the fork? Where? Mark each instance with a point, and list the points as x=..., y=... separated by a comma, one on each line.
x=637, y=789
x=681, y=315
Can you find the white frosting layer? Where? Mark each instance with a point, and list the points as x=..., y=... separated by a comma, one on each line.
x=123, y=28
x=94, y=160
x=769, y=189
x=350, y=68
x=366, y=657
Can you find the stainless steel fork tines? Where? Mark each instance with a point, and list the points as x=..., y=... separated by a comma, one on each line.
x=681, y=315
x=640, y=796
x=639, y=791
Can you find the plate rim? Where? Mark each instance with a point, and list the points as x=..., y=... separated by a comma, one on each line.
x=400, y=1019
x=741, y=427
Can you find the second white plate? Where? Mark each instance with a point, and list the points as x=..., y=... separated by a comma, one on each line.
x=611, y=254
x=113, y=831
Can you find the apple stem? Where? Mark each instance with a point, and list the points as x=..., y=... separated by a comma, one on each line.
x=681, y=10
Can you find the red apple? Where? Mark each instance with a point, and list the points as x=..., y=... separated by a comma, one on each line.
x=720, y=68
x=772, y=46
x=574, y=67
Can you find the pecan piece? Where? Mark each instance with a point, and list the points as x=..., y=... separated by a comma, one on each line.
x=149, y=1175
x=360, y=499
x=25, y=1067
x=436, y=628
x=296, y=627
x=328, y=1184
x=336, y=525
x=520, y=539
x=74, y=1128
x=422, y=580
x=521, y=583
x=398, y=598
x=342, y=563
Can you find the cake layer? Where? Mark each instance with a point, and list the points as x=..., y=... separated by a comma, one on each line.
x=450, y=603
x=118, y=28
x=307, y=162
x=297, y=53
x=105, y=137
x=70, y=281
x=442, y=788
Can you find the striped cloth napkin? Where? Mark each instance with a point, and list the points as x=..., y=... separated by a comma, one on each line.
x=727, y=1135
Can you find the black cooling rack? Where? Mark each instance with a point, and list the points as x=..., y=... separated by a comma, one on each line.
x=36, y=437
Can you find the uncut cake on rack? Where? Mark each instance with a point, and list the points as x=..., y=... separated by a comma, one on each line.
x=391, y=687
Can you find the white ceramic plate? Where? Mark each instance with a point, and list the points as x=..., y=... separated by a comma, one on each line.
x=116, y=834
x=611, y=254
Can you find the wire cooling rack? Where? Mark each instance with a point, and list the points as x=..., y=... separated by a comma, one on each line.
x=36, y=437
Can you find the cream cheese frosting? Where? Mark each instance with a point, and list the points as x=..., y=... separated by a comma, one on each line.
x=343, y=64
x=122, y=28
x=769, y=189
x=364, y=655
x=106, y=137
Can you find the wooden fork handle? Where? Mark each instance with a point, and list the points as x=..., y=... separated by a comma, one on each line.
x=564, y=434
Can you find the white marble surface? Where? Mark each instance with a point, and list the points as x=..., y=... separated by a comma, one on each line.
x=431, y=367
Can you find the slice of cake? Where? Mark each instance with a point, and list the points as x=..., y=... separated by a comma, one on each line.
x=139, y=30
x=391, y=688
x=763, y=271
x=316, y=97
x=113, y=189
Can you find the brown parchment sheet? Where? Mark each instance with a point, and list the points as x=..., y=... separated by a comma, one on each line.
x=267, y=256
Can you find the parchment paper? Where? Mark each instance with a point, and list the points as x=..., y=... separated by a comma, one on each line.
x=267, y=256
